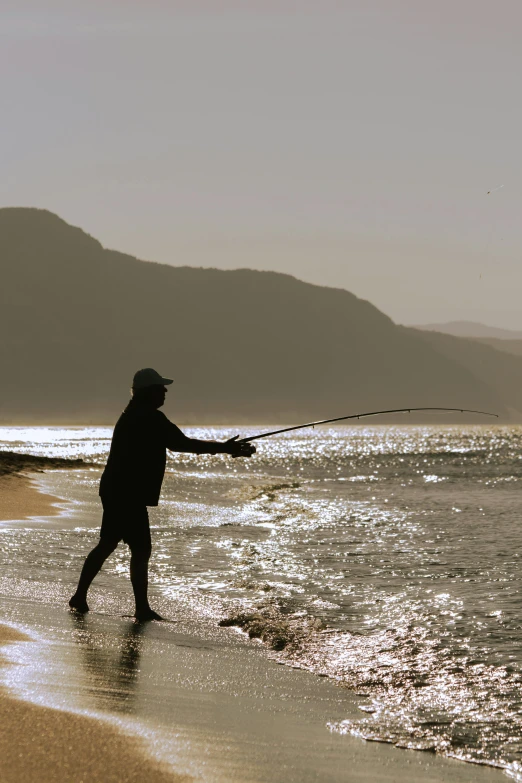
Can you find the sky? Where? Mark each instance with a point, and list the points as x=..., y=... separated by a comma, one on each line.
x=350, y=144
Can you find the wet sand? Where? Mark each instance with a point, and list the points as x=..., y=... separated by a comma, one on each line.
x=39, y=744
x=219, y=708
x=221, y=712
x=43, y=744
x=19, y=496
x=20, y=499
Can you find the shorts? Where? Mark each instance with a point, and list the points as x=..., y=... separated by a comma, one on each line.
x=123, y=521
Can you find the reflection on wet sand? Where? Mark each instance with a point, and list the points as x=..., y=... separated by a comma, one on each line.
x=112, y=673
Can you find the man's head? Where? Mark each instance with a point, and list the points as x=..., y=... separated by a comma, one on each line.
x=149, y=386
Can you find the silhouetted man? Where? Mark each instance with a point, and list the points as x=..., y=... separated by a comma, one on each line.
x=132, y=481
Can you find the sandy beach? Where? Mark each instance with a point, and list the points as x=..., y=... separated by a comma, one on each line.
x=42, y=744
x=21, y=499
x=235, y=716
x=219, y=709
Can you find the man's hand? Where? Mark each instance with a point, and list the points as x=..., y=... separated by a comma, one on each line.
x=238, y=448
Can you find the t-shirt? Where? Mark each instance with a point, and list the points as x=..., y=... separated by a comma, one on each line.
x=138, y=455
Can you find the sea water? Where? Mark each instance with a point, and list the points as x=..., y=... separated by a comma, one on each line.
x=384, y=557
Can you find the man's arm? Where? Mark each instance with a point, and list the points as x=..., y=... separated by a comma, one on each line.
x=178, y=441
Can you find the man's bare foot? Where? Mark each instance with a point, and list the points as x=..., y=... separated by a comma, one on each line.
x=78, y=604
x=147, y=614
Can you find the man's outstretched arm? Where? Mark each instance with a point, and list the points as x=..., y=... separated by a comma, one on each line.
x=178, y=441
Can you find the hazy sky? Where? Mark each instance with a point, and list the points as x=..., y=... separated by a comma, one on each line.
x=348, y=143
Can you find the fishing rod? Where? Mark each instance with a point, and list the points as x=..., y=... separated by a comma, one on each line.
x=360, y=416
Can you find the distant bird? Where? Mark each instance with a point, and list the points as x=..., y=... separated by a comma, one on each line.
x=494, y=190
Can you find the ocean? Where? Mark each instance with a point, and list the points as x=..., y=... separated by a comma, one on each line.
x=386, y=558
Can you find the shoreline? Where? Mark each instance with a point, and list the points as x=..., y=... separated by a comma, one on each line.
x=232, y=716
x=44, y=744
x=232, y=705
x=21, y=499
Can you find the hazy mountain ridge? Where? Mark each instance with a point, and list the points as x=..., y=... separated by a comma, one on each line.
x=497, y=368
x=506, y=340
x=507, y=346
x=77, y=321
x=471, y=329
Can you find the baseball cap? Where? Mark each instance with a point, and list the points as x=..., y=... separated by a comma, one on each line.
x=149, y=377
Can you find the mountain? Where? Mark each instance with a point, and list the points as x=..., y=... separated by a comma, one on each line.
x=471, y=329
x=508, y=346
x=497, y=369
x=77, y=320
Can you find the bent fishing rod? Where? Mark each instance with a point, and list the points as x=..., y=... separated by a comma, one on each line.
x=360, y=416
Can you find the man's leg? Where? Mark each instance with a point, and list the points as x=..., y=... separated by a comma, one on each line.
x=139, y=574
x=91, y=567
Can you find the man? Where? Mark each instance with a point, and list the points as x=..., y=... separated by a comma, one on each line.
x=132, y=481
